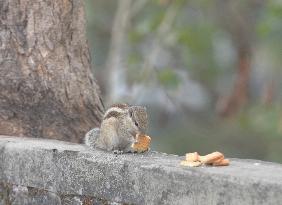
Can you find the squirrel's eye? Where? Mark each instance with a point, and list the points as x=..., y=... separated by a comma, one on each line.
x=136, y=124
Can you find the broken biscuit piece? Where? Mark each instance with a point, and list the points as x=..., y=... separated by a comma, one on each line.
x=223, y=162
x=192, y=157
x=142, y=144
x=210, y=158
x=213, y=159
x=190, y=164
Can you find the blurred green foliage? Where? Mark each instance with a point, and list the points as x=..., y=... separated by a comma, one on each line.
x=168, y=78
x=199, y=41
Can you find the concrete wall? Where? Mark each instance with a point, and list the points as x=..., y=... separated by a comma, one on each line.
x=37, y=171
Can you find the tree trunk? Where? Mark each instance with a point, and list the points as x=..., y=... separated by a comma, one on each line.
x=239, y=96
x=239, y=18
x=46, y=86
x=117, y=86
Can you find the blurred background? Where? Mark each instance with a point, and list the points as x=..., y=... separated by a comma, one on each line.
x=209, y=72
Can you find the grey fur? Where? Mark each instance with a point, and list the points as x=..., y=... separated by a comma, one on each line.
x=91, y=137
x=112, y=114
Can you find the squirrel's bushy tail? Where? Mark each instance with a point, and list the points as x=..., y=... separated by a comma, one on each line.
x=91, y=137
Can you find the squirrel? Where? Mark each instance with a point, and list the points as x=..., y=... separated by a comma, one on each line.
x=120, y=125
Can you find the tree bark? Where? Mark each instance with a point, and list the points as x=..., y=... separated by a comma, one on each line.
x=239, y=19
x=117, y=85
x=46, y=85
x=239, y=95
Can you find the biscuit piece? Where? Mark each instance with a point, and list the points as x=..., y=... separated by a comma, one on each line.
x=142, y=144
x=210, y=158
x=192, y=157
x=190, y=164
x=223, y=162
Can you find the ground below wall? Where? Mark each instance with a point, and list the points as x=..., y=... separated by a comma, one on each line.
x=38, y=171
